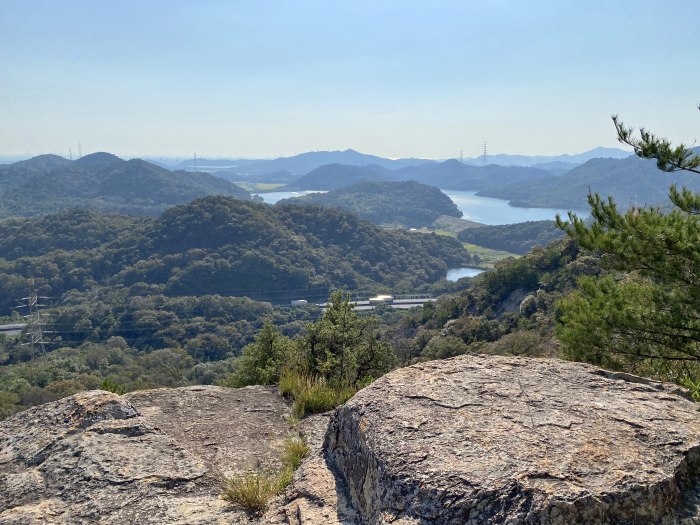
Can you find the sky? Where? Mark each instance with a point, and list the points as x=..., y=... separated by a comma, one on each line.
x=264, y=79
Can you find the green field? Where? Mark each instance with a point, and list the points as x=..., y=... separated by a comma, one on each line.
x=488, y=256
x=259, y=186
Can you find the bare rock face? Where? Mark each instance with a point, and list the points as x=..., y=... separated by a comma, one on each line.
x=483, y=439
x=153, y=457
x=470, y=440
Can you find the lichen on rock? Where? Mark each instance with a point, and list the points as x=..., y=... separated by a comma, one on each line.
x=484, y=439
x=149, y=457
x=469, y=440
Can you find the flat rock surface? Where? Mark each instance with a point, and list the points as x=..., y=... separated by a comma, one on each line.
x=485, y=439
x=470, y=440
x=149, y=457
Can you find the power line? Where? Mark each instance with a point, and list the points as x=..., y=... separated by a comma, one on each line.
x=34, y=328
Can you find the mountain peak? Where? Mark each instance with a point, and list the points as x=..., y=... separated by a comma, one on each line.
x=100, y=158
x=45, y=161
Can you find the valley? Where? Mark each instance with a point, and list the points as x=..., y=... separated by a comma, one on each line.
x=349, y=263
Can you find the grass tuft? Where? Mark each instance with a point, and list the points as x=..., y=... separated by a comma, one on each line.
x=253, y=490
x=295, y=450
x=312, y=395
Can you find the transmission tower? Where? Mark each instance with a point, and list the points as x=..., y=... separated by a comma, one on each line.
x=34, y=330
x=483, y=156
x=80, y=151
x=461, y=156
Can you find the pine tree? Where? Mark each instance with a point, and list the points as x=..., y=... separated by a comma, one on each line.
x=644, y=315
x=343, y=347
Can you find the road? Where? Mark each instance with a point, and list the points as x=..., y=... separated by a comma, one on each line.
x=403, y=304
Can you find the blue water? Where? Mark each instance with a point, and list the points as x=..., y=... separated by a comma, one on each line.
x=488, y=210
x=457, y=273
x=273, y=196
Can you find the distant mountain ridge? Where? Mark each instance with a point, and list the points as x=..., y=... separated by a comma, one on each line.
x=450, y=174
x=299, y=164
x=630, y=181
x=531, y=160
x=334, y=177
x=103, y=181
x=305, y=162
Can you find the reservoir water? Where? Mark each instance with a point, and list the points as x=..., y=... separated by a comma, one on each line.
x=272, y=197
x=457, y=273
x=488, y=210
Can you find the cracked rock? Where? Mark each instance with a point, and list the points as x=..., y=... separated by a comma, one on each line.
x=485, y=439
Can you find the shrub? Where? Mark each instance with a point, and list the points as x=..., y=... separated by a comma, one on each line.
x=112, y=386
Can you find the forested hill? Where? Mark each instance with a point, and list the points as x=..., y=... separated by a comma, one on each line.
x=450, y=174
x=335, y=176
x=219, y=245
x=455, y=175
x=514, y=238
x=408, y=203
x=630, y=181
x=102, y=181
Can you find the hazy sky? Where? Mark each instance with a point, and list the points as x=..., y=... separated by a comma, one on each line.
x=394, y=78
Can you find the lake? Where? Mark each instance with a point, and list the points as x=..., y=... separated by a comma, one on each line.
x=488, y=210
x=271, y=197
x=457, y=273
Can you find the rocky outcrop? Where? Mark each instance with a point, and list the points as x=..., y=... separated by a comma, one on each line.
x=470, y=440
x=483, y=439
x=149, y=457
x=316, y=496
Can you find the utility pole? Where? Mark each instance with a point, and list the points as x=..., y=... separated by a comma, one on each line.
x=34, y=323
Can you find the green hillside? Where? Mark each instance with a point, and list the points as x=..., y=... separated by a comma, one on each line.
x=219, y=245
x=515, y=238
x=102, y=181
x=630, y=181
x=408, y=203
x=333, y=177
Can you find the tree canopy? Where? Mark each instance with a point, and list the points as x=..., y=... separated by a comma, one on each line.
x=406, y=203
x=643, y=313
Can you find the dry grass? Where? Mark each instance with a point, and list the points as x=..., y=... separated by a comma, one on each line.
x=295, y=450
x=253, y=490
x=312, y=395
